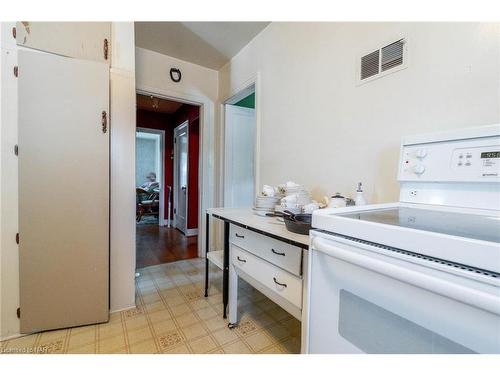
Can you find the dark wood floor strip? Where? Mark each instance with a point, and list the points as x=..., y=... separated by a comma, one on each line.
x=157, y=245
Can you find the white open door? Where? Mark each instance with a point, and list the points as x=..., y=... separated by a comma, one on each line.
x=181, y=176
x=239, y=158
x=63, y=191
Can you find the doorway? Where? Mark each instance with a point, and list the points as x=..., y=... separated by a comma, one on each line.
x=239, y=146
x=164, y=229
x=149, y=171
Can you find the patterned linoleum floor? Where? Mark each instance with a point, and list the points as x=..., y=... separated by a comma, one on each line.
x=173, y=316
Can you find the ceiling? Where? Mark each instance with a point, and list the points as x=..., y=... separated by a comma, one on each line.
x=209, y=44
x=149, y=103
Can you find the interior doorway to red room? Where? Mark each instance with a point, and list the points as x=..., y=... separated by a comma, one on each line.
x=166, y=164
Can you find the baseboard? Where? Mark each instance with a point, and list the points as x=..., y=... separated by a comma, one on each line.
x=123, y=309
x=192, y=232
x=15, y=336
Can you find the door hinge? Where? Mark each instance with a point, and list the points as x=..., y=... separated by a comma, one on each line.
x=18, y=313
x=16, y=71
x=16, y=150
x=14, y=33
x=106, y=49
x=104, y=121
x=17, y=238
x=175, y=210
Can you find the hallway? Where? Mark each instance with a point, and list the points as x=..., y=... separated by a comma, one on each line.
x=156, y=245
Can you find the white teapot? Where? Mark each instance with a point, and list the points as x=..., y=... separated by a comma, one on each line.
x=337, y=201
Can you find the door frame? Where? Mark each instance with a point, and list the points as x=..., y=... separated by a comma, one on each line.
x=206, y=166
x=176, y=175
x=161, y=218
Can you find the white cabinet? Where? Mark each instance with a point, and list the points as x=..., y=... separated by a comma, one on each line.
x=273, y=260
x=63, y=191
x=282, y=254
x=81, y=40
x=272, y=266
x=277, y=280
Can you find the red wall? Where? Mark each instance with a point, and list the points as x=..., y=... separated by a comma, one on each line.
x=162, y=121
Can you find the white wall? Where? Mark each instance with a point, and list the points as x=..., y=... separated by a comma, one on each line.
x=199, y=85
x=152, y=71
x=321, y=129
x=122, y=199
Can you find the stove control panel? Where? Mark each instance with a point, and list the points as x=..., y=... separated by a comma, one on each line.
x=466, y=160
x=485, y=161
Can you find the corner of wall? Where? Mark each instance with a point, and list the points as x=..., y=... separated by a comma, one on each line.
x=122, y=201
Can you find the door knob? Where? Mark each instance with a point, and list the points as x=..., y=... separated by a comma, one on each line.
x=183, y=188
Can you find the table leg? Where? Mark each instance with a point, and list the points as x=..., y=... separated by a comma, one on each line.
x=225, y=273
x=207, y=242
x=233, y=297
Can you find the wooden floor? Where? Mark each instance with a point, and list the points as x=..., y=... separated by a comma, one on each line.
x=157, y=245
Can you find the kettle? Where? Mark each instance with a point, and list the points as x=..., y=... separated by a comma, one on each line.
x=337, y=201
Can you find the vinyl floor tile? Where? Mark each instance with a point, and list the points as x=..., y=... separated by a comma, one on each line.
x=173, y=316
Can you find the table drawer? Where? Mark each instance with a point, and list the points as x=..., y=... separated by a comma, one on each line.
x=276, y=279
x=286, y=256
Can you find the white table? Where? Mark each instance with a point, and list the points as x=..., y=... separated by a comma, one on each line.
x=259, y=249
x=270, y=226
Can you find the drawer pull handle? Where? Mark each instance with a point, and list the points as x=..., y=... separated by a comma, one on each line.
x=278, y=283
x=277, y=253
x=241, y=260
x=239, y=235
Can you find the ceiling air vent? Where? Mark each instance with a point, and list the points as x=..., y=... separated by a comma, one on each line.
x=385, y=60
x=369, y=64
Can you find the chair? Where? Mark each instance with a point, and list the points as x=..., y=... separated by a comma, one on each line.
x=148, y=203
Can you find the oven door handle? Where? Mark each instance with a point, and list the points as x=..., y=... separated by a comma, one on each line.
x=469, y=296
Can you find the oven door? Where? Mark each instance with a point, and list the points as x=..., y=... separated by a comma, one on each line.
x=362, y=301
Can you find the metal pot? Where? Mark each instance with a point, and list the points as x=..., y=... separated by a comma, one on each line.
x=299, y=223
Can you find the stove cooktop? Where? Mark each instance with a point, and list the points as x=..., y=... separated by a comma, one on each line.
x=478, y=227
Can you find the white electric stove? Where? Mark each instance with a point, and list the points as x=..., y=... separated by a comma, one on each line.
x=421, y=275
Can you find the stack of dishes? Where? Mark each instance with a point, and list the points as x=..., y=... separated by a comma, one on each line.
x=296, y=198
x=264, y=204
x=290, y=188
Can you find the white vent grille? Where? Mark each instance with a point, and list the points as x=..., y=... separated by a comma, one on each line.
x=390, y=58
x=370, y=64
x=392, y=55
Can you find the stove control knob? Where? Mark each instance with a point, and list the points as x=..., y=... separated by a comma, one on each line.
x=421, y=153
x=419, y=169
